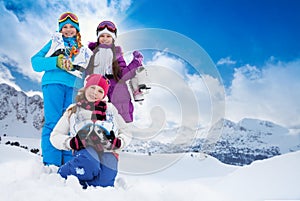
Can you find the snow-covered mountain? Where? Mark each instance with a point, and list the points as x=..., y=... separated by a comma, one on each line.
x=232, y=143
x=20, y=115
x=252, y=139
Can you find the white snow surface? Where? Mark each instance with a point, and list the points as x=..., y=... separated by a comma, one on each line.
x=191, y=178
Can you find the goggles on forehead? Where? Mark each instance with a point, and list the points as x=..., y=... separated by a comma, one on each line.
x=109, y=25
x=67, y=15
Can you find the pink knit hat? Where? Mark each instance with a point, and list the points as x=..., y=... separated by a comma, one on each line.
x=98, y=79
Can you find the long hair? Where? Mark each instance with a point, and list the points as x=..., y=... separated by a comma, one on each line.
x=115, y=63
x=78, y=39
x=80, y=96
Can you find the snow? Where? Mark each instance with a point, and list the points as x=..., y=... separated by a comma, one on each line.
x=189, y=177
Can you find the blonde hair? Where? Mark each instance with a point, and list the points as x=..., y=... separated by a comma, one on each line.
x=80, y=96
x=78, y=39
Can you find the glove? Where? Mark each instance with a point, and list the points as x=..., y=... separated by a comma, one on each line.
x=75, y=143
x=115, y=142
x=63, y=63
x=138, y=56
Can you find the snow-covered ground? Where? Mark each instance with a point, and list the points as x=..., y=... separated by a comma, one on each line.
x=197, y=177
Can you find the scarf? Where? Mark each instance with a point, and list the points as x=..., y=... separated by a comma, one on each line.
x=103, y=60
x=71, y=46
x=98, y=109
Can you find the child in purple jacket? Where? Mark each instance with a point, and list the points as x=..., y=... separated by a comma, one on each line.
x=108, y=60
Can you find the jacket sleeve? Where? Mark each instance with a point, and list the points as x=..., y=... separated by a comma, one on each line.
x=41, y=63
x=59, y=137
x=127, y=71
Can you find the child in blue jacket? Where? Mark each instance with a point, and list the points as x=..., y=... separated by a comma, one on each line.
x=97, y=133
x=61, y=60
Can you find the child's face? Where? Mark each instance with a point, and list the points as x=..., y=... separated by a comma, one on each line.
x=94, y=93
x=105, y=39
x=68, y=30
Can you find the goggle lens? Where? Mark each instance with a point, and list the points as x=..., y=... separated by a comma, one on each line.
x=66, y=15
x=108, y=24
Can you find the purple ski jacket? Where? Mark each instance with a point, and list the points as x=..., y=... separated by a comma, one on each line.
x=118, y=92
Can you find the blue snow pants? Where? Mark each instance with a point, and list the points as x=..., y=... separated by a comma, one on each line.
x=91, y=169
x=57, y=98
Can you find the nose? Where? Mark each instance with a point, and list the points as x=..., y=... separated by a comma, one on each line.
x=96, y=92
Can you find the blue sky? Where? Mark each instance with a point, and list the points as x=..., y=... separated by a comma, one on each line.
x=247, y=31
x=254, y=45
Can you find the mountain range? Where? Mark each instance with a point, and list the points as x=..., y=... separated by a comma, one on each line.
x=238, y=143
x=20, y=115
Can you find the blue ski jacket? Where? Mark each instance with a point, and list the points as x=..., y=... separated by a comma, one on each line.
x=53, y=74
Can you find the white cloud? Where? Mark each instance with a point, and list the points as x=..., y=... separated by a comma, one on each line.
x=270, y=92
x=29, y=28
x=26, y=29
x=5, y=75
x=226, y=61
x=186, y=99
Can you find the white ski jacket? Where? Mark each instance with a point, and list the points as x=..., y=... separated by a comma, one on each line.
x=69, y=124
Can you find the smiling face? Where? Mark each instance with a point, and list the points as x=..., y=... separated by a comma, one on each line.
x=105, y=39
x=68, y=30
x=94, y=93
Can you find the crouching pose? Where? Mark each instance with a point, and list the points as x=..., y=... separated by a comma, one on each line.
x=94, y=130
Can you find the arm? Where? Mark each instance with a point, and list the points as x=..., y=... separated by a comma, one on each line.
x=41, y=63
x=127, y=71
x=59, y=137
x=90, y=67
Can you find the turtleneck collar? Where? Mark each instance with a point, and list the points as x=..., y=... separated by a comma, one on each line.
x=105, y=46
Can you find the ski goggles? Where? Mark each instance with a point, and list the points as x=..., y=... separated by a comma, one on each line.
x=67, y=15
x=109, y=25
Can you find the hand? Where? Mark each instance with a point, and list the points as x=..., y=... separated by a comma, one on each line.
x=63, y=63
x=75, y=143
x=115, y=142
x=138, y=56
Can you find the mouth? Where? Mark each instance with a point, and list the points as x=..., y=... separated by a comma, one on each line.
x=69, y=34
x=92, y=97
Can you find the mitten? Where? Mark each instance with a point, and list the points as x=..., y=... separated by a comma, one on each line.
x=63, y=63
x=138, y=56
x=75, y=143
x=115, y=142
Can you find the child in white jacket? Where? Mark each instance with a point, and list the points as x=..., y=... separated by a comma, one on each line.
x=95, y=131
